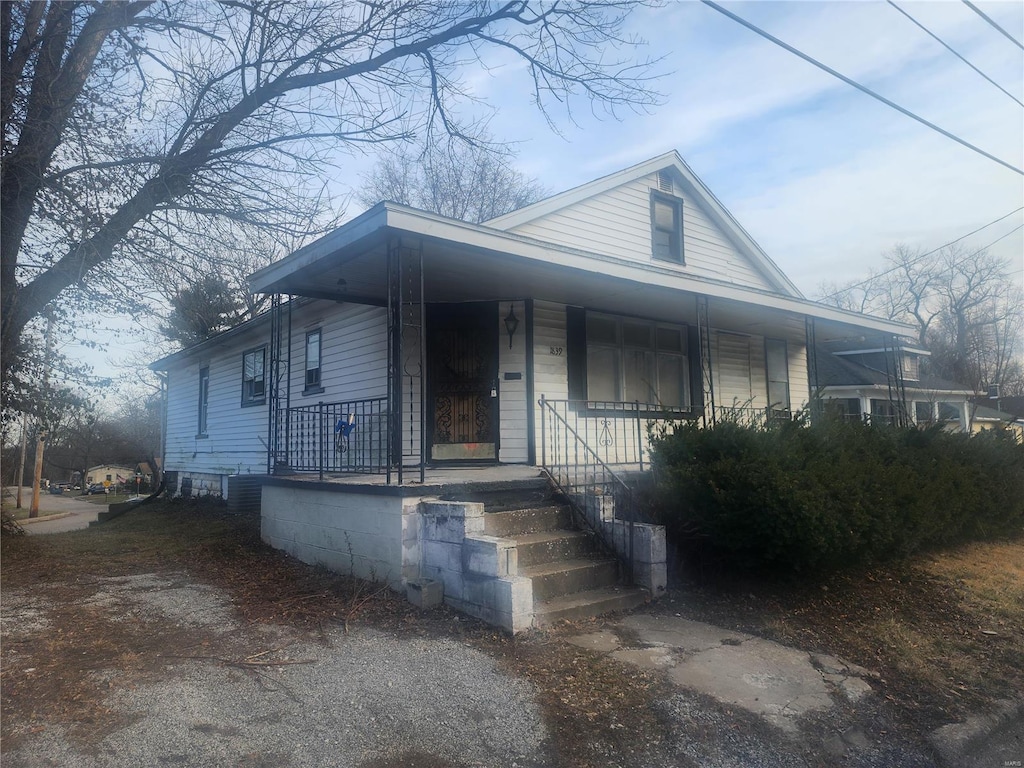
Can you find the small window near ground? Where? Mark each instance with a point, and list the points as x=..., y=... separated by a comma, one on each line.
x=204, y=400
x=254, y=378
x=666, y=227
x=313, y=370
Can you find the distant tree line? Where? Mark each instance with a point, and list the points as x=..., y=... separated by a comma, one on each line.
x=967, y=309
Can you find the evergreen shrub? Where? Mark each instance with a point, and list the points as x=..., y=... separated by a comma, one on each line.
x=796, y=498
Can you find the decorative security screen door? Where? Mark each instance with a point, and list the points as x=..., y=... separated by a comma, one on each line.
x=462, y=350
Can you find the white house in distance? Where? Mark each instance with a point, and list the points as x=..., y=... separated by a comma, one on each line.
x=885, y=383
x=405, y=344
x=109, y=474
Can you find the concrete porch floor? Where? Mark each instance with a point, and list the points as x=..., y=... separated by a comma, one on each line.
x=437, y=480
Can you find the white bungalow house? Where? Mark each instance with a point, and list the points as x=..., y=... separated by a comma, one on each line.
x=406, y=351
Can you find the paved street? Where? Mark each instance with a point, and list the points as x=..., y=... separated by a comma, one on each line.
x=75, y=512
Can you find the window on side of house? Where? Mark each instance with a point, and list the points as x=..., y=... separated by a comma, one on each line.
x=666, y=227
x=882, y=411
x=924, y=412
x=204, y=401
x=254, y=378
x=313, y=383
x=777, y=364
x=636, y=361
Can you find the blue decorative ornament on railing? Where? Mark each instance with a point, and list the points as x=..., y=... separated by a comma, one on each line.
x=342, y=430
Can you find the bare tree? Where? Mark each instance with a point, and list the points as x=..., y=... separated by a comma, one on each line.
x=127, y=125
x=469, y=180
x=967, y=311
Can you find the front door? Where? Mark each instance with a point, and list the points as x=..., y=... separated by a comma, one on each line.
x=462, y=397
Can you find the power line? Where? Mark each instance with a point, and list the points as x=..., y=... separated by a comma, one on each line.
x=929, y=253
x=943, y=43
x=981, y=13
x=860, y=87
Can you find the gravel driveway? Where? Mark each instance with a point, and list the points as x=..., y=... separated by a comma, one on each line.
x=358, y=699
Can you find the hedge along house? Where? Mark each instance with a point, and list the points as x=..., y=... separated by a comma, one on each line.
x=405, y=344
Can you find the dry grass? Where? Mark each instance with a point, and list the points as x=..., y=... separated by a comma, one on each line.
x=943, y=629
x=597, y=711
x=923, y=625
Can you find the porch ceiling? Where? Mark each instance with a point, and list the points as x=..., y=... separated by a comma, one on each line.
x=465, y=262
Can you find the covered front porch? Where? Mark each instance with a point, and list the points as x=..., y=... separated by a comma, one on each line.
x=490, y=353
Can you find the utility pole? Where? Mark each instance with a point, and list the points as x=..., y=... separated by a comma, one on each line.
x=37, y=476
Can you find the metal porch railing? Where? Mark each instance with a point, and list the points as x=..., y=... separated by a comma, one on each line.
x=747, y=416
x=599, y=497
x=347, y=436
x=616, y=432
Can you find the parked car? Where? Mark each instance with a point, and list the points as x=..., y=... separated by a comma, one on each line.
x=96, y=488
x=56, y=490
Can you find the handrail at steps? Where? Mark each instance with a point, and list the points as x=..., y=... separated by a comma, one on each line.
x=566, y=478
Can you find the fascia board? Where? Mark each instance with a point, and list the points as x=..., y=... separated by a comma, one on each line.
x=855, y=352
x=405, y=220
x=732, y=227
x=366, y=223
x=480, y=236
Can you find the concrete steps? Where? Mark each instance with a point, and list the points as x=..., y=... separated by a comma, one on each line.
x=582, y=605
x=514, y=522
x=543, y=547
x=572, y=577
x=562, y=577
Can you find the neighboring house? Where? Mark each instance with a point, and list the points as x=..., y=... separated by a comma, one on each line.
x=885, y=384
x=983, y=417
x=146, y=471
x=405, y=342
x=109, y=473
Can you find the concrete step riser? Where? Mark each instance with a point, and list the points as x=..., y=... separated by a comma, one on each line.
x=510, y=523
x=568, y=547
x=603, y=573
x=533, y=493
x=623, y=602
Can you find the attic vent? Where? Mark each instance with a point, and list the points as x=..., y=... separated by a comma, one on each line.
x=665, y=182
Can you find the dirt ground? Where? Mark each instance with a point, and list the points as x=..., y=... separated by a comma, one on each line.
x=179, y=599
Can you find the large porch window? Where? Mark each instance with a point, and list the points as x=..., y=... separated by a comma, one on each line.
x=636, y=360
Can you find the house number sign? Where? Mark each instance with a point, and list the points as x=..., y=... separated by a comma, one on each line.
x=556, y=351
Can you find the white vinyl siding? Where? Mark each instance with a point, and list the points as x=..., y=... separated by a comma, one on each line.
x=618, y=223
x=353, y=367
x=235, y=435
x=551, y=377
x=513, y=448
x=353, y=352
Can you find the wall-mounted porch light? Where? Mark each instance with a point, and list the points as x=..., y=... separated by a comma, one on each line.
x=511, y=323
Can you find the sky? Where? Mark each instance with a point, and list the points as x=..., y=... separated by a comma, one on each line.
x=823, y=177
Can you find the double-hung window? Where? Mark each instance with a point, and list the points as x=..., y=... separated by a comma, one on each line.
x=204, y=401
x=254, y=377
x=314, y=376
x=636, y=361
x=666, y=227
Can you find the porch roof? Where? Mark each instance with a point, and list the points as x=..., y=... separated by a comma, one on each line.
x=472, y=262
